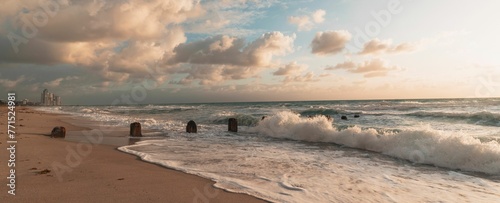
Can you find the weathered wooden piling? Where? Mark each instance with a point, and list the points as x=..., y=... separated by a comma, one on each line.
x=58, y=131
x=191, y=127
x=135, y=129
x=232, y=125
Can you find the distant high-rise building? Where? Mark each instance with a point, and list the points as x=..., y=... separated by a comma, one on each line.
x=57, y=100
x=49, y=99
x=45, y=97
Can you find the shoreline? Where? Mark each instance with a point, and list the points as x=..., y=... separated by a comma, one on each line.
x=73, y=171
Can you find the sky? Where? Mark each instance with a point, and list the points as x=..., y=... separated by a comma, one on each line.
x=111, y=52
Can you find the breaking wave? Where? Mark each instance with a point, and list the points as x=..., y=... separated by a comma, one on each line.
x=425, y=146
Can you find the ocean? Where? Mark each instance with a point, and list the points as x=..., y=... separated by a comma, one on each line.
x=435, y=150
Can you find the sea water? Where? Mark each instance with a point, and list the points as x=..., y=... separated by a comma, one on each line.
x=395, y=151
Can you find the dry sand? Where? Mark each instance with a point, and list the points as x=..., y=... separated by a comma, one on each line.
x=99, y=173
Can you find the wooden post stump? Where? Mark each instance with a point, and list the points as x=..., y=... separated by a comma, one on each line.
x=135, y=129
x=58, y=131
x=232, y=125
x=191, y=127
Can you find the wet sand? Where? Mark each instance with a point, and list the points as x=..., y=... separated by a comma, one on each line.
x=58, y=170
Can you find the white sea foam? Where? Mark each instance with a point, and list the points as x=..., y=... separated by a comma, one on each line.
x=290, y=171
x=450, y=149
x=266, y=160
x=427, y=146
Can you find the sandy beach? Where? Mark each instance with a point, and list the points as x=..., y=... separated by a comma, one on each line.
x=55, y=170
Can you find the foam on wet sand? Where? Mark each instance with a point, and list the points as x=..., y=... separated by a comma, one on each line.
x=101, y=174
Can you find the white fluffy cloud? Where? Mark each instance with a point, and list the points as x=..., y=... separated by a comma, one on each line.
x=307, y=22
x=292, y=73
x=226, y=50
x=302, y=22
x=216, y=59
x=6, y=83
x=319, y=16
x=117, y=40
x=377, y=46
x=209, y=75
x=57, y=82
x=128, y=40
x=308, y=77
x=372, y=68
x=290, y=69
x=330, y=42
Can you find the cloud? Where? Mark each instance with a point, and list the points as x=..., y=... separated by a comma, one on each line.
x=128, y=40
x=302, y=22
x=209, y=75
x=307, y=22
x=330, y=42
x=345, y=65
x=290, y=69
x=54, y=83
x=229, y=17
x=325, y=75
x=12, y=83
x=293, y=73
x=376, y=46
x=308, y=77
x=226, y=50
x=372, y=68
x=246, y=4
x=84, y=21
x=319, y=16
x=219, y=58
x=57, y=82
x=183, y=81
x=116, y=40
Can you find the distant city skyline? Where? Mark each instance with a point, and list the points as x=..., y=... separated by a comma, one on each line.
x=166, y=51
x=49, y=99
